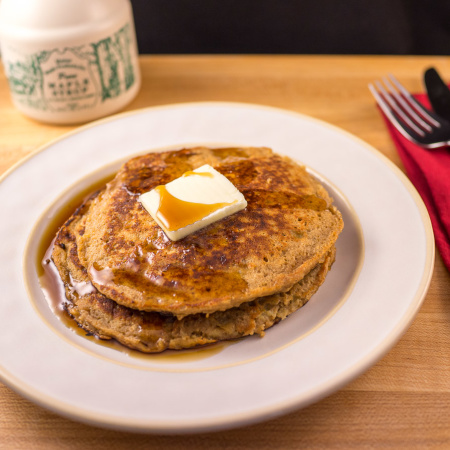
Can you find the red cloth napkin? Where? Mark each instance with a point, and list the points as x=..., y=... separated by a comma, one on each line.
x=429, y=171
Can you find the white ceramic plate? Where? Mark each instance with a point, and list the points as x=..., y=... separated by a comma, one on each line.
x=383, y=268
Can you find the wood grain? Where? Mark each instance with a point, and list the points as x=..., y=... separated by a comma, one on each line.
x=401, y=402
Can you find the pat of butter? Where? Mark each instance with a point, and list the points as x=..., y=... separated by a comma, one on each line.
x=192, y=202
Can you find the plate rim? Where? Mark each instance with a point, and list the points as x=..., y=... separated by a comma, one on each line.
x=275, y=409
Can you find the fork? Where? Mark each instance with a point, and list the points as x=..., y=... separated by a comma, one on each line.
x=408, y=116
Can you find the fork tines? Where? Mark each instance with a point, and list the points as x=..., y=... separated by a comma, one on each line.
x=402, y=109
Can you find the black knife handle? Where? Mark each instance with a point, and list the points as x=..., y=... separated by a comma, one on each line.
x=438, y=93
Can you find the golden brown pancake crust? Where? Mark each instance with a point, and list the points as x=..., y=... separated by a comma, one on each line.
x=154, y=332
x=288, y=227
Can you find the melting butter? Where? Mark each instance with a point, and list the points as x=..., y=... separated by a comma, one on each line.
x=192, y=202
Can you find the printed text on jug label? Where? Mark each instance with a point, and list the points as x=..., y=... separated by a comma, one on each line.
x=74, y=78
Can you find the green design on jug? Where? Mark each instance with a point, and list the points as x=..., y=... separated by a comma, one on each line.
x=74, y=78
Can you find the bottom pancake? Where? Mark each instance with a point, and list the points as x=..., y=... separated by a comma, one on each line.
x=152, y=332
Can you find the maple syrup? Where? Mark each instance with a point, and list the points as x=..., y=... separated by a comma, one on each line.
x=175, y=213
x=54, y=291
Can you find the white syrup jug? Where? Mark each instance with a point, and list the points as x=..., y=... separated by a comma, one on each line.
x=69, y=61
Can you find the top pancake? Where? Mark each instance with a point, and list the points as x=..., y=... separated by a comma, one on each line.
x=289, y=225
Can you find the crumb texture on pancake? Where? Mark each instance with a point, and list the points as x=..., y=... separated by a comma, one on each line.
x=288, y=226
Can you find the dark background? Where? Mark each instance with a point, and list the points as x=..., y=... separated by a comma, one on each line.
x=293, y=26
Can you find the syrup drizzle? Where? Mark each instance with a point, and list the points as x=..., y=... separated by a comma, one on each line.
x=175, y=213
x=54, y=293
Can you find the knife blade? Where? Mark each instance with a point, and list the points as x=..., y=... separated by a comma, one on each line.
x=438, y=93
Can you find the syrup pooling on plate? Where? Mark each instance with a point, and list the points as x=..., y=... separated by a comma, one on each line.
x=53, y=289
x=63, y=213
x=225, y=281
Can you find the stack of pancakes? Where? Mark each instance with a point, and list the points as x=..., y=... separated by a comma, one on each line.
x=125, y=280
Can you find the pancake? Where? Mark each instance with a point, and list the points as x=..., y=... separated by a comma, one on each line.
x=289, y=227
x=154, y=332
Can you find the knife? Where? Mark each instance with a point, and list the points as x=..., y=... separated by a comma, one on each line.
x=438, y=93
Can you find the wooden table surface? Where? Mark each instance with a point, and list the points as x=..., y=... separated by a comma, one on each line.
x=401, y=402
